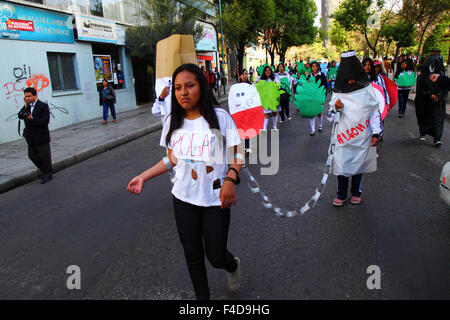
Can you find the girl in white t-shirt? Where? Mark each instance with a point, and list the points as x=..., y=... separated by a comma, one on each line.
x=205, y=152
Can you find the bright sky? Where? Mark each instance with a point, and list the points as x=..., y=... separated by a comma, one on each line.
x=317, y=20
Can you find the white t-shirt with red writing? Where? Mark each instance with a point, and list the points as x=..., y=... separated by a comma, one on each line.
x=202, y=157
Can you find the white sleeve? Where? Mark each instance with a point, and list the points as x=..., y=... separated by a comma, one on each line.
x=331, y=109
x=165, y=130
x=228, y=127
x=156, y=109
x=375, y=122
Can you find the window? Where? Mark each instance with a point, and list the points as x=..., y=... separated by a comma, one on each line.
x=110, y=9
x=109, y=56
x=62, y=71
x=96, y=7
x=35, y=1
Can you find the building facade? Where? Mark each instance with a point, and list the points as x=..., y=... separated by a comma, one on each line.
x=64, y=48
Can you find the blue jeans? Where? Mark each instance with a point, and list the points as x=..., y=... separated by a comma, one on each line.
x=109, y=105
x=402, y=100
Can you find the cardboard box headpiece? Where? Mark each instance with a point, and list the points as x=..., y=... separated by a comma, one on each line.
x=172, y=52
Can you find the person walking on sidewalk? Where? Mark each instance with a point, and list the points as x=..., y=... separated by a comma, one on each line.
x=212, y=80
x=204, y=188
x=36, y=116
x=107, y=99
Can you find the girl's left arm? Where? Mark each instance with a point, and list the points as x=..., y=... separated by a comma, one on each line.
x=228, y=190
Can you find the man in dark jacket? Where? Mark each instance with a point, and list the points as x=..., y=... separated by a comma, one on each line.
x=36, y=133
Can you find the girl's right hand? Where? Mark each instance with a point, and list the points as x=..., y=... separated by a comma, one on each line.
x=339, y=104
x=136, y=185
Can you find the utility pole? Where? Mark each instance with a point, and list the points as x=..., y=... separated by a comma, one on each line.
x=221, y=35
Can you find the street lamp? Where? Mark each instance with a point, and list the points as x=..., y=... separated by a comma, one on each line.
x=221, y=35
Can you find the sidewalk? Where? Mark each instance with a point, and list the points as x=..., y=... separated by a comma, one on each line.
x=412, y=96
x=77, y=143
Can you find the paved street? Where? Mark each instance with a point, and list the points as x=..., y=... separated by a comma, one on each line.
x=127, y=246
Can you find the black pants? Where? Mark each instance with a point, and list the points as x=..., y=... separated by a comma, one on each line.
x=402, y=100
x=343, y=186
x=284, y=104
x=40, y=155
x=203, y=229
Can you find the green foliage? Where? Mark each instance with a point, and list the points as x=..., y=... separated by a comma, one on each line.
x=292, y=25
x=339, y=36
x=242, y=19
x=310, y=97
x=399, y=32
x=440, y=38
x=269, y=93
x=352, y=15
x=406, y=79
x=164, y=18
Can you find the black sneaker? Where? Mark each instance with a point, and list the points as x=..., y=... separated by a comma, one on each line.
x=312, y=133
x=421, y=137
x=438, y=143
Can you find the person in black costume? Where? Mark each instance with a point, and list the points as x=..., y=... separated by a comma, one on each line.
x=430, y=100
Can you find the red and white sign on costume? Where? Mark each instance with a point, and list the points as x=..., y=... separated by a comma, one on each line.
x=246, y=109
x=382, y=106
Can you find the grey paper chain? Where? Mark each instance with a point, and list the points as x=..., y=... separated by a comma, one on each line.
x=311, y=203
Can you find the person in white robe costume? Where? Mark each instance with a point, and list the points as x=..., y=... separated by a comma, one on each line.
x=358, y=130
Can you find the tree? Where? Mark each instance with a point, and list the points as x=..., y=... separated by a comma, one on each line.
x=164, y=18
x=242, y=19
x=439, y=38
x=338, y=36
x=401, y=33
x=364, y=16
x=293, y=25
x=425, y=13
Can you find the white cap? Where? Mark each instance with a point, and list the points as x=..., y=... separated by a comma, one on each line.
x=348, y=54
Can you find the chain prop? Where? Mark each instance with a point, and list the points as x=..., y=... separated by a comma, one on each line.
x=311, y=203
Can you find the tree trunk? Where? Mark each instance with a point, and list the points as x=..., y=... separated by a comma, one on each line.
x=374, y=50
x=240, y=56
x=389, y=45
x=394, y=67
x=420, y=43
x=282, y=55
x=272, y=57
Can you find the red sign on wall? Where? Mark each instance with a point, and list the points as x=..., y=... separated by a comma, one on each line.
x=20, y=25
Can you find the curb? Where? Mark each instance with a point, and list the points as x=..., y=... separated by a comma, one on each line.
x=15, y=182
x=32, y=175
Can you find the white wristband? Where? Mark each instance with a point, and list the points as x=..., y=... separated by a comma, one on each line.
x=167, y=163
